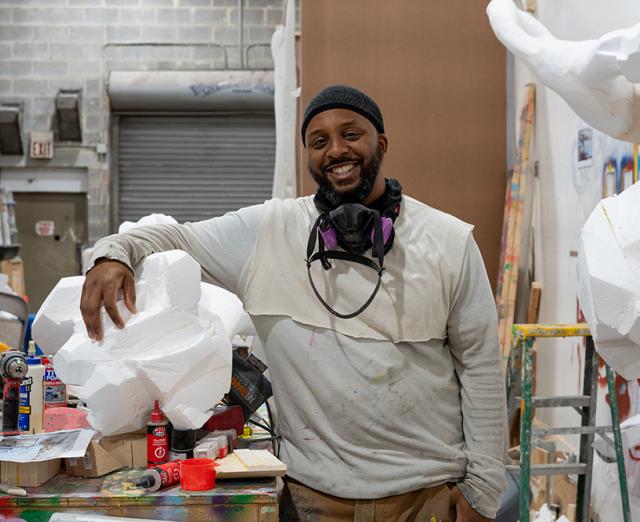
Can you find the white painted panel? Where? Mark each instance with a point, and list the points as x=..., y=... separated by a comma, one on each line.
x=43, y=180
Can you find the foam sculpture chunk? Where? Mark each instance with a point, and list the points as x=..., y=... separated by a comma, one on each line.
x=176, y=349
x=151, y=219
x=609, y=280
x=598, y=78
x=53, y=328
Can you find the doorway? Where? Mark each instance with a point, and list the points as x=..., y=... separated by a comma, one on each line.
x=52, y=227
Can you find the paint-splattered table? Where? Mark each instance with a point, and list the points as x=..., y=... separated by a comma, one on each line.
x=252, y=500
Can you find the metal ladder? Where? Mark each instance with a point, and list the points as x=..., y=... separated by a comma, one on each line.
x=519, y=389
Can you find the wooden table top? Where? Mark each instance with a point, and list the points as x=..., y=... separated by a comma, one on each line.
x=117, y=489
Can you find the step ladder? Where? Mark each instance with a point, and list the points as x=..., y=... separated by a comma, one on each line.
x=519, y=390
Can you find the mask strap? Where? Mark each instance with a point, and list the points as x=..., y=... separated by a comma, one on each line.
x=378, y=239
x=311, y=243
x=345, y=256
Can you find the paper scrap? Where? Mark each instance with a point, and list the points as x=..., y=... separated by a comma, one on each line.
x=45, y=446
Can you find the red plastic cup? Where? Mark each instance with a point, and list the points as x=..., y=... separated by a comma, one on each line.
x=197, y=474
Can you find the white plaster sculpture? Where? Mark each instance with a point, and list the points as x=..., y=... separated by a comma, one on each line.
x=175, y=349
x=609, y=280
x=597, y=78
x=151, y=219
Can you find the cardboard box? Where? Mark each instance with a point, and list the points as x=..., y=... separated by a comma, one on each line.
x=110, y=454
x=15, y=272
x=31, y=474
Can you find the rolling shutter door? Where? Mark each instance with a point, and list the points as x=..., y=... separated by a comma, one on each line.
x=194, y=167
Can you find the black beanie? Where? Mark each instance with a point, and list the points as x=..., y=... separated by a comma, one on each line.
x=342, y=97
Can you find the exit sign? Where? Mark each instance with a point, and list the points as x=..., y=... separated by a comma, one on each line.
x=41, y=145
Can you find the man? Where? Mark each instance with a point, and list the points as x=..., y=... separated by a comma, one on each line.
x=391, y=407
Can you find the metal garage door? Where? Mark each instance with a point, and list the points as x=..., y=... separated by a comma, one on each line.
x=193, y=167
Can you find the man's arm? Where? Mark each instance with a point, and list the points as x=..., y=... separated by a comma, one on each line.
x=473, y=339
x=220, y=245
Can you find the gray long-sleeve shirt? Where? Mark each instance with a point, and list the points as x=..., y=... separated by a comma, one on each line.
x=363, y=418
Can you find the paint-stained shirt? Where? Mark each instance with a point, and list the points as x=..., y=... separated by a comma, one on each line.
x=359, y=417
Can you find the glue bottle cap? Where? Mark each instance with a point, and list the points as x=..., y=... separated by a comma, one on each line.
x=156, y=414
x=146, y=481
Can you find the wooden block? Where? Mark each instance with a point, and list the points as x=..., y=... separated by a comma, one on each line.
x=139, y=451
x=30, y=474
x=534, y=302
x=110, y=454
x=250, y=463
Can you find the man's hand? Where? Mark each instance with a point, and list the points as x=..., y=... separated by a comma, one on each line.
x=102, y=284
x=464, y=511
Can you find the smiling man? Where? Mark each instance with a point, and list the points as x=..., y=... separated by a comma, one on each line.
x=384, y=356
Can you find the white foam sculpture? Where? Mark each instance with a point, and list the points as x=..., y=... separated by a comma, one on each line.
x=151, y=219
x=597, y=78
x=176, y=349
x=609, y=280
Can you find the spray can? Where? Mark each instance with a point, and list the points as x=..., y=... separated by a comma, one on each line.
x=157, y=438
x=55, y=391
x=182, y=444
x=161, y=476
x=31, y=397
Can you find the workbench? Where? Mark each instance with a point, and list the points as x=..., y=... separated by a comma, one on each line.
x=115, y=495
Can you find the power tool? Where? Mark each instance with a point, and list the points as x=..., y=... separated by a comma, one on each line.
x=13, y=368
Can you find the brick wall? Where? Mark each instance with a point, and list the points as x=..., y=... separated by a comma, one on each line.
x=46, y=45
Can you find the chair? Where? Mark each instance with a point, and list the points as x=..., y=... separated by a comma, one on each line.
x=15, y=305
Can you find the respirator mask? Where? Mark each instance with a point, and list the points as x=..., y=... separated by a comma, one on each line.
x=356, y=229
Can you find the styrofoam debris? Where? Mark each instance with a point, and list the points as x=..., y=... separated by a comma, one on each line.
x=175, y=349
x=609, y=286
x=544, y=515
x=151, y=219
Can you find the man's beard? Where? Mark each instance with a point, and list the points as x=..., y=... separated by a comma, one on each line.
x=369, y=172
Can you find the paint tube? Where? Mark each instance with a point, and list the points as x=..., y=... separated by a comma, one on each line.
x=161, y=476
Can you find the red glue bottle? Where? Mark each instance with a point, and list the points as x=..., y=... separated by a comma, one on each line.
x=159, y=477
x=157, y=438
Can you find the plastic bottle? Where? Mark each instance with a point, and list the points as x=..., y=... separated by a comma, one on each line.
x=161, y=476
x=30, y=410
x=55, y=391
x=182, y=444
x=157, y=438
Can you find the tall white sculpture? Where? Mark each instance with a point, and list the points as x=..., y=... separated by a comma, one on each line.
x=609, y=280
x=175, y=349
x=597, y=78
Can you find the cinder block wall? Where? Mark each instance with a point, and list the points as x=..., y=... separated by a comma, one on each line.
x=47, y=45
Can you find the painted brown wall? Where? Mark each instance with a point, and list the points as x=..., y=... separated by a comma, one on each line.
x=438, y=74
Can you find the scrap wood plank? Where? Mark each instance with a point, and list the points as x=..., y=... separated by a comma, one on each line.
x=250, y=463
x=504, y=238
x=506, y=302
x=534, y=302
